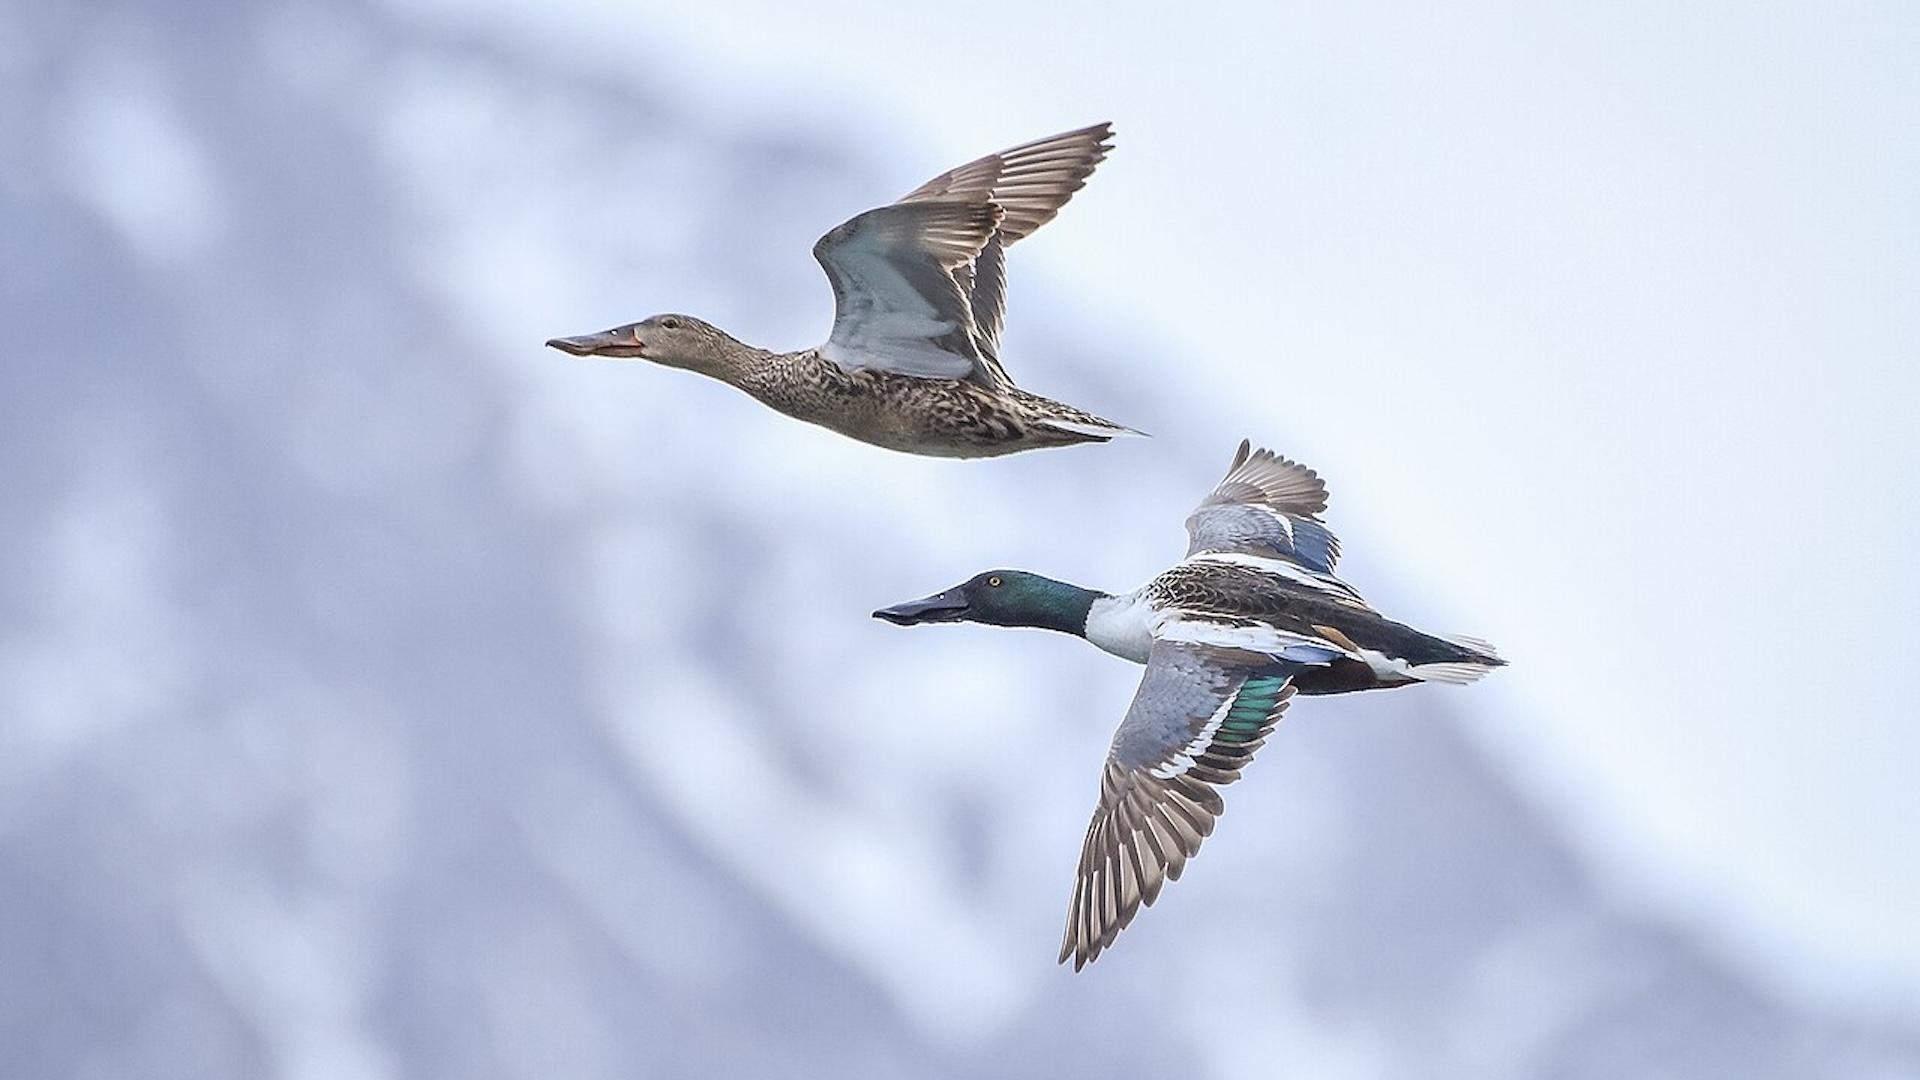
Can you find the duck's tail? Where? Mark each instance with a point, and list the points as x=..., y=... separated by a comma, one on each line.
x=1077, y=424
x=1478, y=657
x=1093, y=428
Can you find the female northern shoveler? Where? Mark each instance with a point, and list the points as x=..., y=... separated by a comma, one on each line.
x=919, y=288
x=1253, y=616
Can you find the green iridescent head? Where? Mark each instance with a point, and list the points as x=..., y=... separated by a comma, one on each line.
x=1001, y=598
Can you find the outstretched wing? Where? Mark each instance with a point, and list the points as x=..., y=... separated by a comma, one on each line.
x=1195, y=722
x=1266, y=507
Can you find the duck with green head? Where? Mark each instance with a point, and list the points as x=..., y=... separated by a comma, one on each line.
x=1251, y=617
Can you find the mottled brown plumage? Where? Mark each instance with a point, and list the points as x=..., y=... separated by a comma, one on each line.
x=933, y=417
x=919, y=287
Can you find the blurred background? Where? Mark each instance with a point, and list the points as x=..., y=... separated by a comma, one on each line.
x=384, y=695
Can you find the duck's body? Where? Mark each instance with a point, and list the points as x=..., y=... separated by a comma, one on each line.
x=913, y=361
x=931, y=417
x=1252, y=616
x=1238, y=603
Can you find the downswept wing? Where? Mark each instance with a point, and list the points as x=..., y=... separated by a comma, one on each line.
x=1267, y=507
x=1030, y=183
x=1195, y=722
x=898, y=305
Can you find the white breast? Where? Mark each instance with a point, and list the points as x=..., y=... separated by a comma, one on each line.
x=1122, y=625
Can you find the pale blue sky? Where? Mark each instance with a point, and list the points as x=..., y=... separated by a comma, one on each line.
x=1601, y=321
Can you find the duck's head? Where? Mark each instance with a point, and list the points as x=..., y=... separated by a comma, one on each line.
x=680, y=341
x=1001, y=598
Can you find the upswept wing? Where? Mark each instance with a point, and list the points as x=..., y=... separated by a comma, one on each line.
x=1195, y=722
x=1031, y=182
x=1266, y=507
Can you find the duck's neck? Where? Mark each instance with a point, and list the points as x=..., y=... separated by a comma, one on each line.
x=735, y=362
x=1060, y=606
x=749, y=368
x=1121, y=625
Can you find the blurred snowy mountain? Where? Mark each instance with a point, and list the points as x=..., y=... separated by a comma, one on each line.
x=383, y=695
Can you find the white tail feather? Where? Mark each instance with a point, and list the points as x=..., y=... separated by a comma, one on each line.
x=1457, y=672
x=1484, y=648
x=1080, y=427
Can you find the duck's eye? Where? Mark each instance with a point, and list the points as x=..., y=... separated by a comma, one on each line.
x=994, y=581
x=669, y=324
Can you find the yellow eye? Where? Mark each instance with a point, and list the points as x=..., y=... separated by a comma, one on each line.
x=994, y=581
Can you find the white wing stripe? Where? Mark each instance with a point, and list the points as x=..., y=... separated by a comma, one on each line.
x=1281, y=568
x=1183, y=760
x=1258, y=637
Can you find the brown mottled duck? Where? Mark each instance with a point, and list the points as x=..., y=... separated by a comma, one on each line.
x=919, y=291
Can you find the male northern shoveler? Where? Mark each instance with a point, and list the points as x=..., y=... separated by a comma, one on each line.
x=913, y=363
x=1252, y=616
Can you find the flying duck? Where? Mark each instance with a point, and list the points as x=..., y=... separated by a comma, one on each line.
x=1253, y=616
x=919, y=288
